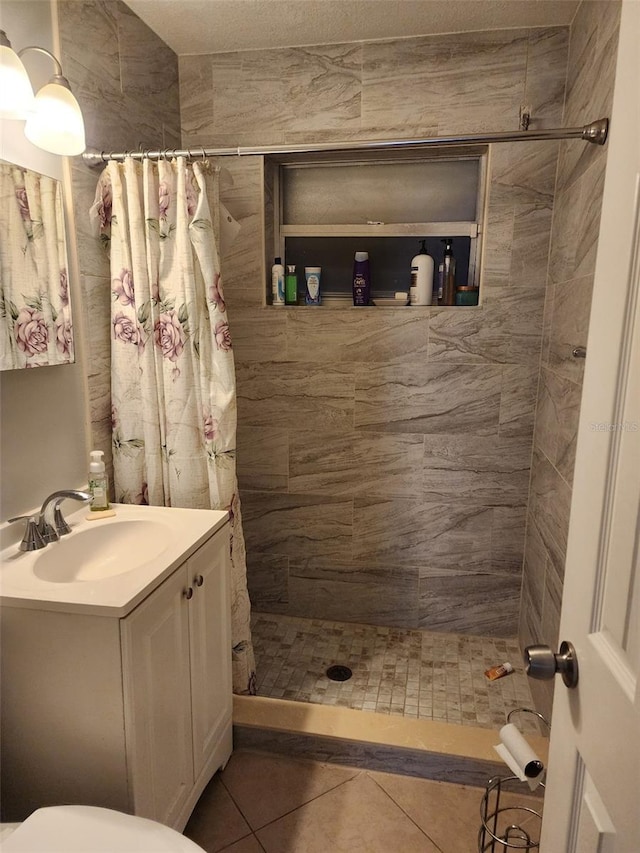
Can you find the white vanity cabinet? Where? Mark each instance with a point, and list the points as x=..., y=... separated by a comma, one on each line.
x=177, y=686
x=131, y=712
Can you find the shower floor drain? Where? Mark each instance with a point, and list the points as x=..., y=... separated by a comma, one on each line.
x=337, y=672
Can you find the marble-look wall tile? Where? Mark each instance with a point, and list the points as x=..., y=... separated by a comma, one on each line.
x=262, y=458
x=549, y=502
x=196, y=100
x=420, y=532
x=557, y=417
x=570, y=326
x=491, y=603
x=467, y=468
x=517, y=401
x=468, y=80
x=268, y=582
x=297, y=526
x=355, y=593
x=92, y=256
x=507, y=539
x=474, y=336
x=355, y=336
x=289, y=394
x=546, y=74
x=258, y=334
x=355, y=463
x=535, y=569
x=242, y=264
x=429, y=399
x=590, y=79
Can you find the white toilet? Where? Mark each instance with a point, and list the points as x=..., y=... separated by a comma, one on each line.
x=80, y=829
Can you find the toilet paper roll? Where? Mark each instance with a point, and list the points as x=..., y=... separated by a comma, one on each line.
x=519, y=757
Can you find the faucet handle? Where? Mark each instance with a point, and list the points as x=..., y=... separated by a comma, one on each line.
x=32, y=539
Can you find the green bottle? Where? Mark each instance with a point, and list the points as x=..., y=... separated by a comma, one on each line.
x=291, y=286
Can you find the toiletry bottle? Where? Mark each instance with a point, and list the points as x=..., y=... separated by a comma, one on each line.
x=98, y=485
x=291, y=286
x=312, y=291
x=448, y=278
x=361, y=279
x=421, y=277
x=277, y=282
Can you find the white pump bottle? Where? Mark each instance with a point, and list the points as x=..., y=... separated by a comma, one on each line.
x=98, y=484
x=421, y=277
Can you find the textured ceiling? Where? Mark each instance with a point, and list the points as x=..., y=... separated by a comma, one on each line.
x=216, y=26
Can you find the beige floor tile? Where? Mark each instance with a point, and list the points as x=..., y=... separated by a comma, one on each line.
x=246, y=845
x=450, y=814
x=266, y=787
x=216, y=821
x=356, y=817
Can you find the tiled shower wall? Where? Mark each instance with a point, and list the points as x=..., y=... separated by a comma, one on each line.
x=384, y=456
x=574, y=237
x=126, y=81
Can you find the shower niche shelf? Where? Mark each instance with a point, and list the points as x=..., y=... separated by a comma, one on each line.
x=321, y=210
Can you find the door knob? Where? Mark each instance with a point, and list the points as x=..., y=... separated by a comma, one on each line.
x=541, y=662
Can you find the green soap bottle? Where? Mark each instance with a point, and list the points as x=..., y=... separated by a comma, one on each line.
x=291, y=286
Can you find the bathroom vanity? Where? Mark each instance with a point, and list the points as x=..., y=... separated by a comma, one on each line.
x=116, y=675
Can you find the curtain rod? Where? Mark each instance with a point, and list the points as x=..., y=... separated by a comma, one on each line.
x=595, y=132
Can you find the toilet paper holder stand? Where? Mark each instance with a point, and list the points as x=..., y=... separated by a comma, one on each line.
x=500, y=829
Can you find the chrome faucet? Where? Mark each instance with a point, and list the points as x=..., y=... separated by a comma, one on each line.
x=53, y=532
x=39, y=532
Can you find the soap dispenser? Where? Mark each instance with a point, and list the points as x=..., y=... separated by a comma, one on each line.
x=421, y=277
x=98, y=484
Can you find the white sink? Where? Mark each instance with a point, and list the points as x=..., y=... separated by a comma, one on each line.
x=108, y=564
x=102, y=552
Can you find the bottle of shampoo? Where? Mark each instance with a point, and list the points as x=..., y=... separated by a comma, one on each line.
x=361, y=279
x=291, y=286
x=421, y=277
x=447, y=284
x=277, y=282
x=98, y=484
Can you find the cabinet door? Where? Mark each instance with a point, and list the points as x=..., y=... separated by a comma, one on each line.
x=210, y=636
x=155, y=645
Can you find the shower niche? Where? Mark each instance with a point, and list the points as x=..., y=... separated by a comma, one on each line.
x=321, y=209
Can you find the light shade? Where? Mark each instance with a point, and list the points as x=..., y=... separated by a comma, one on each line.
x=16, y=93
x=56, y=123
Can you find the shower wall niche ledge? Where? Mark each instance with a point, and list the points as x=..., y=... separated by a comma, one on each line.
x=319, y=212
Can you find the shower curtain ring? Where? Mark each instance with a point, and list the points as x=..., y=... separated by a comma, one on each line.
x=204, y=156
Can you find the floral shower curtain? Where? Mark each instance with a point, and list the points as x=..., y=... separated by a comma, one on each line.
x=36, y=329
x=173, y=388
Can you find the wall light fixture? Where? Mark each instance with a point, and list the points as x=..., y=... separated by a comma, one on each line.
x=53, y=117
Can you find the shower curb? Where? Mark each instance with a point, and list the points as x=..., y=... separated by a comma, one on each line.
x=423, y=748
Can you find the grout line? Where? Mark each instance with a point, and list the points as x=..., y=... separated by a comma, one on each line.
x=426, y=834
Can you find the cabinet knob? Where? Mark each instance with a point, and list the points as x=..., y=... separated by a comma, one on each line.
x=188, y=593
x=198, y=580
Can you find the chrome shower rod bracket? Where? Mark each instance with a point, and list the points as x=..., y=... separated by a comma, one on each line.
x=596, y=132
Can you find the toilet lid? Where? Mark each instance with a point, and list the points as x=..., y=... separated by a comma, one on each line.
x=79, y=829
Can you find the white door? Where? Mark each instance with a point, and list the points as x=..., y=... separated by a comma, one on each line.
x=592, y=802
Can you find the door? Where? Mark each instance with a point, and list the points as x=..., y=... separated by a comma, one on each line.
x=210, y=639
x=155, y=652
x=592, y=801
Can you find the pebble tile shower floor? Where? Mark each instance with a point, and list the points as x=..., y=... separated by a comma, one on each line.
x=419, y=674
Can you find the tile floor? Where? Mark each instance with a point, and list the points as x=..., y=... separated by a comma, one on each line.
x=263, y=803
x=418, y=674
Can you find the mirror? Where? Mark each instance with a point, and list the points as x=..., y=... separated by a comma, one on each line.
x=36, y=328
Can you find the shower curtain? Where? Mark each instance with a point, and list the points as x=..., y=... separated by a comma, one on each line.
x=173, y=391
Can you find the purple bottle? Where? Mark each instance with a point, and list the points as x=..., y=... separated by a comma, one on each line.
x=361, y=279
